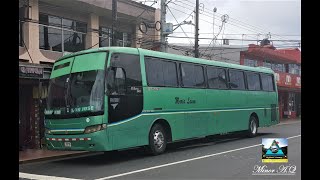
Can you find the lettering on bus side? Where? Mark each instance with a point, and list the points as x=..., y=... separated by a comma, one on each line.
x=183, y=101
x=153, y=88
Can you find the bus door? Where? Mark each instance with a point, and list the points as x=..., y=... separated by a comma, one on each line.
x=125, y=96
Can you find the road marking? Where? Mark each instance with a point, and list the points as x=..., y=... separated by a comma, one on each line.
x=44, y=177
x=183, y=161
x=40, y=177
x=294, y=136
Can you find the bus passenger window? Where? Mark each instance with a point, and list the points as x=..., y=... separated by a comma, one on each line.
x=236, y=79
x=192, y=76
x=217, y=78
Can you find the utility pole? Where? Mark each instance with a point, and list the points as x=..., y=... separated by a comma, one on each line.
x=196, y=44
x=214, y=14
x=163, y=45
x=114, y=20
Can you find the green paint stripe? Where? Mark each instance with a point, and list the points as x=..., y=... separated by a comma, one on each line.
x=180, y=112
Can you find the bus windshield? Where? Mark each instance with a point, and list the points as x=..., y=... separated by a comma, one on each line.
x=76, y=94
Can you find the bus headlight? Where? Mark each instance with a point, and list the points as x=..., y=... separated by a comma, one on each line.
x=47, y=131
x=95, y=128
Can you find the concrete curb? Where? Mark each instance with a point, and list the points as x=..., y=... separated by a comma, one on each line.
x=56, y=157
x=289, y=121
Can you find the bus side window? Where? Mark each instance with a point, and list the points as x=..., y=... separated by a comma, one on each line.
x=267, y=82
x=236, y=79
x=217, y=78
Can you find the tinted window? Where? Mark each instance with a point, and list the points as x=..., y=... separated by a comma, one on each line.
x=253, y=80
x=124, y=87
x=192, y=75
x=217, y=78
x=267, y=82
x=131, y=65
x=236, y=79
x=161, y=73
x=69, y=32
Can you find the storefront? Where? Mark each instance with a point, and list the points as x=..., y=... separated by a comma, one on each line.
x=289, y=88
x=33, y=90
x=286, y=64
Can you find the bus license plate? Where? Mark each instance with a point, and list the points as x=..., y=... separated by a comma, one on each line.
x=67, y=144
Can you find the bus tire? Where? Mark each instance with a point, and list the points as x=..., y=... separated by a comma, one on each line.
x=253, y=127
x=157, y=140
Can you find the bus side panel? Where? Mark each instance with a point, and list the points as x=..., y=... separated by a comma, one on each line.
x=220, y=111
x=216, y=100
x=230, y=110
x=259, y=102
x=129, y=133
x=270, y=101
x=186, y=104
x=135, y=131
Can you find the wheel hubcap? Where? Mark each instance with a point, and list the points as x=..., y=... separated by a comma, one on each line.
x=253, y=127
x=158, y=139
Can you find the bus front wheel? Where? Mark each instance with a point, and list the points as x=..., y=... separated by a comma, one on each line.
x=157, y=139
x=253, y=127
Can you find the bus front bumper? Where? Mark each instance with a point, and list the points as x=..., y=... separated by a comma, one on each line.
x=96, y=141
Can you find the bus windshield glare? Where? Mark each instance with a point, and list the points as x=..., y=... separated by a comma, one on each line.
x=76, y=94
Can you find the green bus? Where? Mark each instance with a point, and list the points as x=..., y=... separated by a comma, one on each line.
x=115, y=98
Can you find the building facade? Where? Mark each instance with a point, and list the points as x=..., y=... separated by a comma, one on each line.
x=224, y=53
x=287, y=66
x=49, y=29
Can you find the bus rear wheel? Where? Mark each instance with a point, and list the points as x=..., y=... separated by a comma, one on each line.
x=253, y=127
x=157, y=140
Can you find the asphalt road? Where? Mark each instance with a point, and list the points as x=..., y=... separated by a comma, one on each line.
x=223, y=157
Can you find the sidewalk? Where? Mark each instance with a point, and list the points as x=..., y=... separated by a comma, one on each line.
x=285, y=121
x=36, y=155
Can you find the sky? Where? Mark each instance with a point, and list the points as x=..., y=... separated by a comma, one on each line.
x=268, y=141
x=250, y=20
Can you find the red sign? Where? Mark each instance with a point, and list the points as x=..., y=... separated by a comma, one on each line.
x=288, y=80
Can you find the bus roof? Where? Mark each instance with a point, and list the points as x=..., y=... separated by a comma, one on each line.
x=170, y=56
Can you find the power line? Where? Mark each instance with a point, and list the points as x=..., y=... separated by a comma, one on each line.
x=179, y=11
x=184, y=37
x=104, y=37
x=27, y=50
x=182, y=48
x=240, y=33
x=258, y=29
x=178, y=23
x=239, y=46
x=284, y=40
x=215, y=37
x=135, y=20
x=247, y=27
